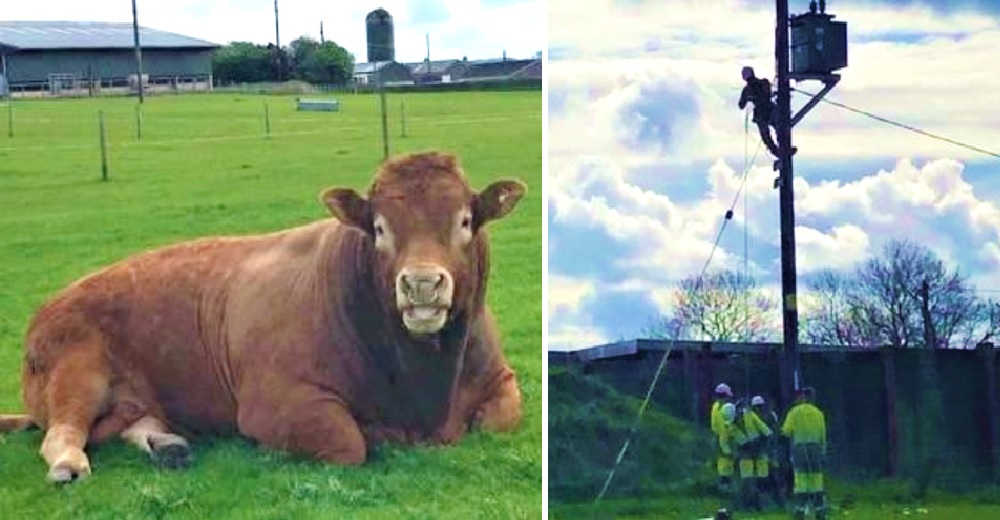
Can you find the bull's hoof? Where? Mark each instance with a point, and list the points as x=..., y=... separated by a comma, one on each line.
x=172, y=455
x=69, y=470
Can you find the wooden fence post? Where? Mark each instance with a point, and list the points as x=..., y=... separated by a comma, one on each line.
x=989, y=354
x=104, y=146
x=889, y=371
x=690, y=391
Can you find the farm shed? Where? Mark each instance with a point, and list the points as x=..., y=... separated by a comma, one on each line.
x=440, y=71
x=497, y=69
x=392, y=73
x=81, y=57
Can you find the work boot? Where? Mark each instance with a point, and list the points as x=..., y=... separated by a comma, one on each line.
x=819, y=501
x=777, y=163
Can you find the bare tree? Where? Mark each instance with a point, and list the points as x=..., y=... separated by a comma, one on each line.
x=837, y=318
x=906, y=297
x=983, y=326
x=721, y=306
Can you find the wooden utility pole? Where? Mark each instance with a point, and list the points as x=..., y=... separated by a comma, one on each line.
x=789, y=291
x=821, y=48
x=138, y=49
x=279, y=62
x=385, y=117
x=277, y=35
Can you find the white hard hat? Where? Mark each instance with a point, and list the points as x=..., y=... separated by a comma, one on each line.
x=757, y=401
x=728, y=412
x=723, y=389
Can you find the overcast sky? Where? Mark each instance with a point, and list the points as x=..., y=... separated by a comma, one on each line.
x=477, y=29
x=647, y=148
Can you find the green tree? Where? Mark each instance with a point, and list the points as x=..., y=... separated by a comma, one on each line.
x=242, y=62
x=317, y=62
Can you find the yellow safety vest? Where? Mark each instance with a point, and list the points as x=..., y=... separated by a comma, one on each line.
x=805, y=424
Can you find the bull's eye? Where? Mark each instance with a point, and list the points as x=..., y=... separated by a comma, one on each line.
x=466, y=222
x=379, y=230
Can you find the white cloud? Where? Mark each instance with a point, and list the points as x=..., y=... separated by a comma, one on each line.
x=594, y=193
x=839, y=225
x=572, y=337
x=570, y=326
x=567, y=293
x=842, y=248
x=703, y=44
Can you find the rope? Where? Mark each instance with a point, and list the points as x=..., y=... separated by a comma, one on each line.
x=901, y=125
x=746, y=254
x=666, y=355
x=635, y=425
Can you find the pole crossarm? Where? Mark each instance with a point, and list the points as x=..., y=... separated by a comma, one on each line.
x=829, y=81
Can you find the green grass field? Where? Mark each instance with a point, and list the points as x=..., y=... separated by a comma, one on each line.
x=872, y=501
x=203, y=167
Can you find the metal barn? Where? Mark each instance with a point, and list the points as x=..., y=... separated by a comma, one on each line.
x=78, y=58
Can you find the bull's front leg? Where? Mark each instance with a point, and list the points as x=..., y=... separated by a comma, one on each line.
x=305, y=419
x=490, y=403
x=499, y=405
x=501, y=411
x=487, y=396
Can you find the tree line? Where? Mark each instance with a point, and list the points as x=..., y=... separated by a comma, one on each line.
x=303, y=59
x=906, y=297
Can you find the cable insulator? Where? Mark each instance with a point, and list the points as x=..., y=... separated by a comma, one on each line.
x=729, y=214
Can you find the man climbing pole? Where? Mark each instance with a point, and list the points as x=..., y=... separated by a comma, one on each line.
x=805, y=426
x=758, y=91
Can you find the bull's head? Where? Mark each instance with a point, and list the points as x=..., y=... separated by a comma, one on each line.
x=426, y=226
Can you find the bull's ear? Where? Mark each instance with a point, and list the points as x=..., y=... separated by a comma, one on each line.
x=498, y=199
x=349, y=207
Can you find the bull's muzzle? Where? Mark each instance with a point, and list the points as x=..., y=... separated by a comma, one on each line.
x=423, y=295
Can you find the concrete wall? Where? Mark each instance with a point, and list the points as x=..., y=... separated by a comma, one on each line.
x=35, y=66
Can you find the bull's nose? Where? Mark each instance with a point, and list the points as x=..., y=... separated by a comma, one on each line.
x=422, y=285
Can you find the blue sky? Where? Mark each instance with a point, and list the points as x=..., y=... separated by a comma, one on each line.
x=647, y=148
x=477, y=29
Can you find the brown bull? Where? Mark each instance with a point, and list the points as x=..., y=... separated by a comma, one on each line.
x=320, y=340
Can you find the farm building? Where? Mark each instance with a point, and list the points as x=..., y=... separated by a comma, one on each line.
x=443, y=71
x=453, y=71
x=393, y=73
x=485, y=70
x=84, y=57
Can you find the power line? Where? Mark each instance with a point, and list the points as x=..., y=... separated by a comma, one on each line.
x=901, y=125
